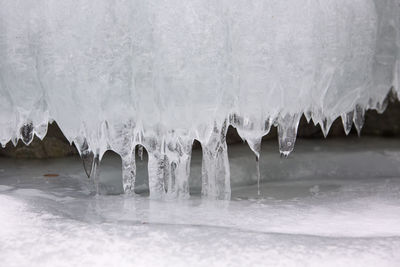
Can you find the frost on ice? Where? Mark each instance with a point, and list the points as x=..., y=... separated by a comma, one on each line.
x=159, y=74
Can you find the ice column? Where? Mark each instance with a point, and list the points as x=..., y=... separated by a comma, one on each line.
x=215, y=165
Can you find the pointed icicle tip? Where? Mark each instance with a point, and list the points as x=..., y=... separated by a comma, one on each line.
x=14, y=141
x=267, y=126
x=308, y=116
x=347, y=120
x=87, y=161
x=326, y=126
x=359, y=118
x=255, y=145
x=381, y=107
x=41, y=130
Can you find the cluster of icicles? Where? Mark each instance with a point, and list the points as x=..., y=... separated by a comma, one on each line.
x=161, y=74
x=169, y=155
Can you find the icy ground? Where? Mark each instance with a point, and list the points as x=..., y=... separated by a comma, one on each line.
x=331, y=203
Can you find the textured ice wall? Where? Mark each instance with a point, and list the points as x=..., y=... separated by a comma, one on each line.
x=118, y=73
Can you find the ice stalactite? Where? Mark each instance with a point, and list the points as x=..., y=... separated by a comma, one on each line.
x=287, y=132
x=258, y=175
x=37, y=123
x=124, y=144
x=40, y=117
x=95, y=173
x=129, y=173
x=158, y=167
x=215, y=166
x=179, y=155
x=86, y=154
x=326, y=126
x=252, y=131
x=359, y=118
x=347, y=120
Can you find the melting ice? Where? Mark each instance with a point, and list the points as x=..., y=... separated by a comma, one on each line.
x=160, y=74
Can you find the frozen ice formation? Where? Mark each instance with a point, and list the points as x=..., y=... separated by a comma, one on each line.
x=115, y=74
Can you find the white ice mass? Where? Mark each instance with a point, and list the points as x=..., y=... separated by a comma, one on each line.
x=115, y=74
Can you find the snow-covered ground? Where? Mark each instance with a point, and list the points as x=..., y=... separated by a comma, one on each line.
x=331, y=203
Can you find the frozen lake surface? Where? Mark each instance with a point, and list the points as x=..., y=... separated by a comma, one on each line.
x=331, y=203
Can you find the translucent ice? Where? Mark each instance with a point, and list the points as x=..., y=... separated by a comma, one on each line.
x=159, y=74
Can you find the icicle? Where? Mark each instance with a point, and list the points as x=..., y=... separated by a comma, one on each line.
x=180, y=156
x=258, y=175
x=181, y=173
x=87, y=155
x=124, y=145
x=41, y=130
x=129, y=172
x=170, y=181
x=87, y=160
x=95, y=173
x=255, y=146
x=166, y=169
x=359, y=118
x=14, y=140
x=381, y=107
x=215, y=166
x=156, y=169
x=287, y=132
x=267, y=126
x=27, y=133
x=40, y=117
x=308, y=116
x=347, y=120
x=140, y=152
x=326, y=126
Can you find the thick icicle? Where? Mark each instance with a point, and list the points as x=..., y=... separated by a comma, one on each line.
x=40, y=130
x=157, y=168
x=179, y=155
x=326, y=126
x=129, y=172
x=287, y=132
x=215, y=165
x=347, y=120
x=124, y=145
x=252, y=131
x=359, y=118
x=95, y=173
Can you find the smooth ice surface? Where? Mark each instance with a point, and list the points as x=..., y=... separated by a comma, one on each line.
x=114, y=74
x=310, y=213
